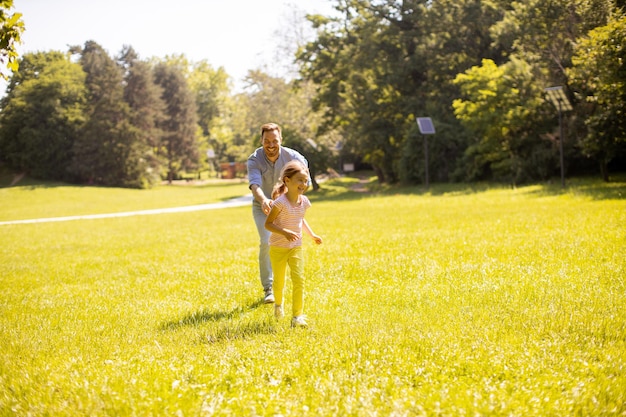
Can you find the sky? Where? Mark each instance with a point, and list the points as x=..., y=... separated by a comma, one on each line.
x=238, y=35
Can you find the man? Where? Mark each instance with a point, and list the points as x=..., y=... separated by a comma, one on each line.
x=264, y=166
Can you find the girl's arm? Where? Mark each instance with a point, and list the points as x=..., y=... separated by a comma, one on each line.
x=307, y=228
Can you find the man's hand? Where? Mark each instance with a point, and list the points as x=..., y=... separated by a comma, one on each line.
x=267, y=206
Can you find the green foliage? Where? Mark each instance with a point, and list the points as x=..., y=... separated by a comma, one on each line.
x=378, y=64
x=502, y=101
x=178, y=146
x=269, y=98
x=476, y=301
x=147, y=109
x=352, y=65
x=43, y=115
x=210, y=87
x=544, y=32
x=211, y=90
x=11, y=29
x=373, y=67
x=106, y=151
x=598, y=75
x=384, y=63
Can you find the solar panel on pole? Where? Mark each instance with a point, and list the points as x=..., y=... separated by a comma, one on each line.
x=426, y=127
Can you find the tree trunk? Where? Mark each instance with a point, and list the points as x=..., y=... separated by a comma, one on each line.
x=604, y=170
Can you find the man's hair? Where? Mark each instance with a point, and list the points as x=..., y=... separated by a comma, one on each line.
x=268, y=127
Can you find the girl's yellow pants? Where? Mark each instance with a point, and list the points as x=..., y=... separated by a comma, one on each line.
x=280, y=258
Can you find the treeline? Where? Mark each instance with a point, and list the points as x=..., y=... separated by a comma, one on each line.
x=85, y=117
x=478, y=69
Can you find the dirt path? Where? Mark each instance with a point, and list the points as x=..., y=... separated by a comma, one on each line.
x=361, y=186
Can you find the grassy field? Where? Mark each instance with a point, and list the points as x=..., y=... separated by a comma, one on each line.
x=463, y=300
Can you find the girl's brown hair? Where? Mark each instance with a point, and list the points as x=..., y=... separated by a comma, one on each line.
x=290, y=169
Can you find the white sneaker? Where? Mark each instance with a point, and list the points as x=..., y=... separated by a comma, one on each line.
x=278, y=312
x=299, y=321
x=269, y=297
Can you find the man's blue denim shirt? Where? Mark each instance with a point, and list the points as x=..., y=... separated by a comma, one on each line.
x=264, y=173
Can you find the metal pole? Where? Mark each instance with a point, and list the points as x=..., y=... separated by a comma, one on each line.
x=561, y=145
x=426, y=159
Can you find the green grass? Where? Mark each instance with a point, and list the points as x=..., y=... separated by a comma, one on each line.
x=457, y=300
x=60, y=200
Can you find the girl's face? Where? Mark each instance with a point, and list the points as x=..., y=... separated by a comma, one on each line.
x=299, y=182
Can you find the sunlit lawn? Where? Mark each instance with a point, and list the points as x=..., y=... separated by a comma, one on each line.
x=463, y=300
x=61, y=200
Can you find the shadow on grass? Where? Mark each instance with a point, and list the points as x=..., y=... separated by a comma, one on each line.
x=228, y=329
x=203, y=316
x=365, y=185
x=347, y=189
x=8, y=181
x=591, y=187
x=350, y=189
x=238, y=331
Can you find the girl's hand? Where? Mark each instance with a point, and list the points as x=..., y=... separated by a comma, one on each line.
x=290, y=235
x=317, y=239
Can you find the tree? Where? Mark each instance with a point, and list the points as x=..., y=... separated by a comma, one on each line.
x=599, y=77
x=211, y=89
x=212, y=95
x=11, y=29
x=377, y=64
x=147, y=112
x=179, y=145
x=545, y=32
x=42, y=115
x=455, y=37
x=105, y=153
x=273, y=99
x=351, y=63
x=501, y=109
x=382, y=63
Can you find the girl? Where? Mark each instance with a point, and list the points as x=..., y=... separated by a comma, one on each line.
x=286, y=221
